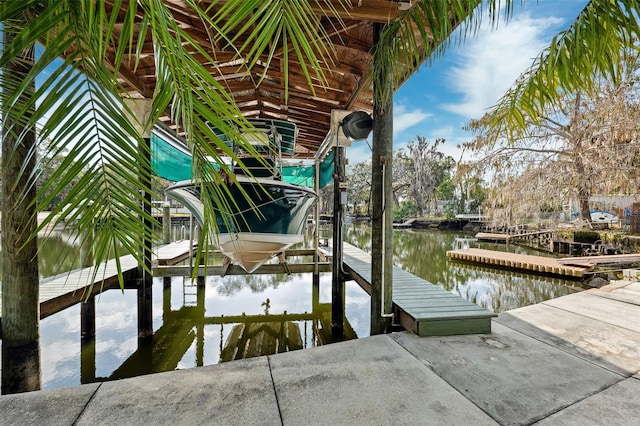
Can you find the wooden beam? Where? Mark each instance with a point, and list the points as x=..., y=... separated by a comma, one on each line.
x=294, y=268
x=130, y=77
x=381, y=11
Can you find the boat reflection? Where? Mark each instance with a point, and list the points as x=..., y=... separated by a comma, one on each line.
x=190, y=333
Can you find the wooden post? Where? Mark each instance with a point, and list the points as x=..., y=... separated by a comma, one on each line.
x=316, y=237
x=88, y=318
x=140, y=110
x=88, y=341
x=166, y=297
x=200, y=295
x=145, y=288
x=382, y=201
x=145, y=317
x=337, y=282
x=166, y=223
x=315, y=292
x=145, y=179
x=21, y=368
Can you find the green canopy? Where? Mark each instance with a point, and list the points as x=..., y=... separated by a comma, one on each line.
x=168, y=161
x=171, y=161
x=304, y=175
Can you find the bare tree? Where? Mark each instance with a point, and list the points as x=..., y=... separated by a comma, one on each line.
x=359, y=186
x=585, y=144
x=429, y=169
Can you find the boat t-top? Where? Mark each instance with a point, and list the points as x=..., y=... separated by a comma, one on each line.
x=253, y=232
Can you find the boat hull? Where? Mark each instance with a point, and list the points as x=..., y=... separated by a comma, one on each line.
x=253, y=234
x=251, y=249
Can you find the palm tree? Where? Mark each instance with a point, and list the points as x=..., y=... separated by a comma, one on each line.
x=80, y=104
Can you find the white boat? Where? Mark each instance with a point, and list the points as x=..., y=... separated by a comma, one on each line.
x=275, y=218
x=599, y=216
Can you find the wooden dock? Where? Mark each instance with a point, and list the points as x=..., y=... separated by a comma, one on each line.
x=68, y=289
x=611, y=259
x=546, y=235
x=489, y=236
x=523, y=262
x=418, y=305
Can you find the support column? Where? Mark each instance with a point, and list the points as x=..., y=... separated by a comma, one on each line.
x=166, y=297
x=337, y=282
x=145, y=289
x=21, y=367
x=200, y=295
x=88, y=319
x=145, y=317
x=382, y=202
x=315, y=292
x=139, y=112
x=88, y=341
x=166, y=223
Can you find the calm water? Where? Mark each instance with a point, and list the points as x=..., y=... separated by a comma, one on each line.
x=423, y=253
x=227, y=316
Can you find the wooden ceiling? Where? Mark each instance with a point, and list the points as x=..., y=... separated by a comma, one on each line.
x=345, y=88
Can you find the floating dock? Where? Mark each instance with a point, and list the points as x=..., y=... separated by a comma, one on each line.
x=523, y=262
x=418, y=305
x=66, y=290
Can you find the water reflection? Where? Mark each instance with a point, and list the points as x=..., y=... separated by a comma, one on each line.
x=57, y=253
x=195, y=324
x=423, y=253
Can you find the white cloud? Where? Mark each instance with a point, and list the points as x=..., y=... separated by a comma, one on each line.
x=403, y=118
x=490, y=62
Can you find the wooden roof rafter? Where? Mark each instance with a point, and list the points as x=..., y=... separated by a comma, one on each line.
x=349, y=26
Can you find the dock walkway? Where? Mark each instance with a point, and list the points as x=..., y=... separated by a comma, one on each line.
x=66, y=290
x=419, y=306
x=574, y=360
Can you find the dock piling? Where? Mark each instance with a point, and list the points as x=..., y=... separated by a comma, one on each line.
x=337, y=280
x=166, y=223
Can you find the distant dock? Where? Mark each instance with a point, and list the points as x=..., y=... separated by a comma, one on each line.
x=523, y=262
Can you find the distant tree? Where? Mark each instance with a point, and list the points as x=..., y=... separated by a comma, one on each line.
x=48, y=178
x=430, y=167
x=586, y=143
x=402, y=176
x=404, y=210
x=463, y=191
x=359, y=187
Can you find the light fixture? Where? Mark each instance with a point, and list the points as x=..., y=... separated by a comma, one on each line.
x=357, y=125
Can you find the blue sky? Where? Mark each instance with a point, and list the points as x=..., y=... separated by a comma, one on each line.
x=438, y=100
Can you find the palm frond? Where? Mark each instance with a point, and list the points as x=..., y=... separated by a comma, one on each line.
x=594, y=45
x=277, y=28
x=81, y=114
x=422, y=33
